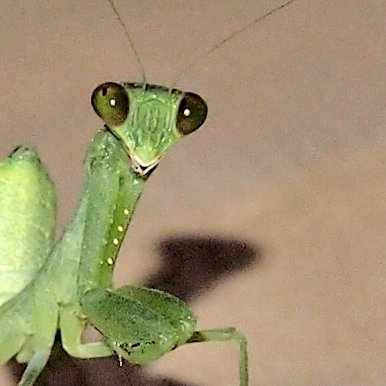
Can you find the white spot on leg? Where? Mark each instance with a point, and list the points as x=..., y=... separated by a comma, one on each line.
x=115, y=241
x=110, y=261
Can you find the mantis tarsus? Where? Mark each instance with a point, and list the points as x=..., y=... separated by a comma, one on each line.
x=138, y=324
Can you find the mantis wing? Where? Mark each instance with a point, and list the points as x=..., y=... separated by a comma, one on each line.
x=27, y=220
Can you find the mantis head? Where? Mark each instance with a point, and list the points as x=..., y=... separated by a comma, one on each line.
x=148, y=119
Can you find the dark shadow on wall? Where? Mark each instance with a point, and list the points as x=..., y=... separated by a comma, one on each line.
x=190, y=267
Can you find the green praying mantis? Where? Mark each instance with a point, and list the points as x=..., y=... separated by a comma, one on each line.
x=67, y=285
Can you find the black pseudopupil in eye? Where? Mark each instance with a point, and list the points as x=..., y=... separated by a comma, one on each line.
x=111, y=102
x=191, y=114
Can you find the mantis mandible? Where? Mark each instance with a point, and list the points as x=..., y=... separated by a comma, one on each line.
x=68, y=285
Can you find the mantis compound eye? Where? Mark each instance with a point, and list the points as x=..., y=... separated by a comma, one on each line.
x=111, y=102
x=191, y=113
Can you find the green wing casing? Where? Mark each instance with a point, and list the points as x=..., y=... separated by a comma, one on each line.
x=27, y=220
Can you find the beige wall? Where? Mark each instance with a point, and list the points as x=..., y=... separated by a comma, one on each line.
x=292, y=160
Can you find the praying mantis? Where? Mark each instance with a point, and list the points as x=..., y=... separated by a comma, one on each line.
x=69, y=284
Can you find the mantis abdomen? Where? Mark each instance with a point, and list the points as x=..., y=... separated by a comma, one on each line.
x=27, y=220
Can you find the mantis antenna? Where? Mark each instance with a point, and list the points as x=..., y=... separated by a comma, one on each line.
x=219, y=44
x=198, y=58
x=127, y=33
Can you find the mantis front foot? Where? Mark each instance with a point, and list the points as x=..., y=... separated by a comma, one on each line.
x=142, y=324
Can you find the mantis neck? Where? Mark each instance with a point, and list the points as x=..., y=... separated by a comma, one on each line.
x=112, y=191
